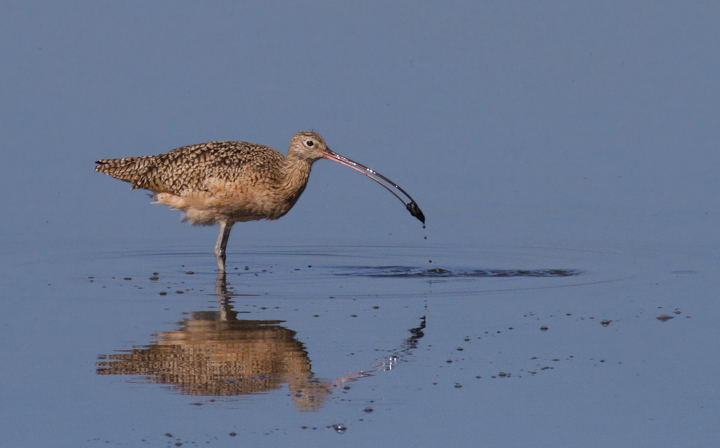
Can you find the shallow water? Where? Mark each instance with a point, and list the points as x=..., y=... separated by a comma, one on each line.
x=563, y=293
x=514, y=344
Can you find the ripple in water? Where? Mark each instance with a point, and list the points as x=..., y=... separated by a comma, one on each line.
x=412, y=272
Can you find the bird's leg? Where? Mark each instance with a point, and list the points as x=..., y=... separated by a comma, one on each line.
x=225, y=229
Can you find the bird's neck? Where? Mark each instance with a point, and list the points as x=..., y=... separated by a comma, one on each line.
x=296, y=172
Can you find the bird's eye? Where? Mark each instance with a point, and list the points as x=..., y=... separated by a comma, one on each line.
x=309, y=143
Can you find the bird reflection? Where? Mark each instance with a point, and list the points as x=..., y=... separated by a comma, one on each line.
x=213, y=353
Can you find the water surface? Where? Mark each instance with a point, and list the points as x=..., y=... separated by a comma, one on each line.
x=564, y=292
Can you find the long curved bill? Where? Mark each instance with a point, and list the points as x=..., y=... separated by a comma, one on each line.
x=411, y=206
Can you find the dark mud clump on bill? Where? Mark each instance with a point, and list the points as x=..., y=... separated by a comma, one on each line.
x=405, y=271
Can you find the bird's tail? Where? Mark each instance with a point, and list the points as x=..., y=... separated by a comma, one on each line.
x=129, y=169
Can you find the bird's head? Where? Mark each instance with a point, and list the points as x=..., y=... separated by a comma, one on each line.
x=310, y=146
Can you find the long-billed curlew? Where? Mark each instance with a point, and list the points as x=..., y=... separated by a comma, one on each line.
x=226, y=182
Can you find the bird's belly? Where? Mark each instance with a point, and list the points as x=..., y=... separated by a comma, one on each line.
x=248, y=205
x=227, y=204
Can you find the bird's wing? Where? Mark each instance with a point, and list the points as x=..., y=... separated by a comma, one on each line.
x=189, y=168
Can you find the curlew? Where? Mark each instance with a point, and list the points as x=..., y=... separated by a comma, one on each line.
x=227, y=182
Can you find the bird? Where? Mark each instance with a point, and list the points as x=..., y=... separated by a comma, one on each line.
x=224, y=182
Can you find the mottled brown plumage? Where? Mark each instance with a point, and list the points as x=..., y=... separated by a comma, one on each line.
x=228, y=182
x=187, y=168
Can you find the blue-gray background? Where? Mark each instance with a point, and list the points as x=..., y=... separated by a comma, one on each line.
x=514, y=123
